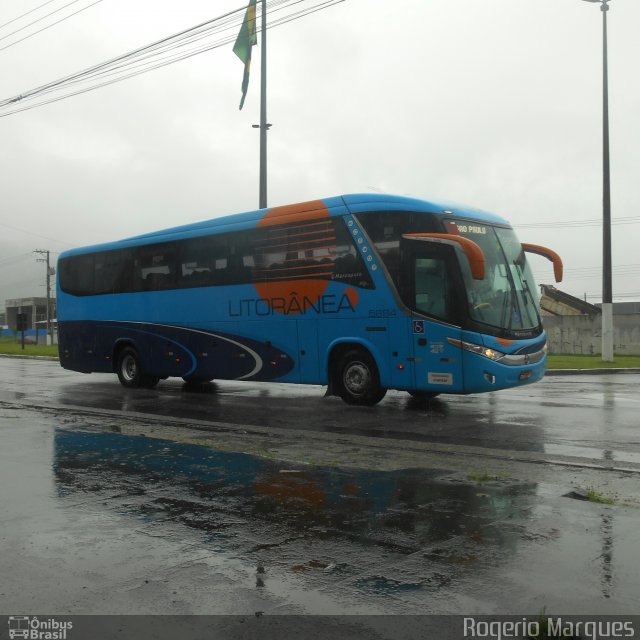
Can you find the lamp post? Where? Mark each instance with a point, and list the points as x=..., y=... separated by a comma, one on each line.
x=607, y=295
x=264, y=127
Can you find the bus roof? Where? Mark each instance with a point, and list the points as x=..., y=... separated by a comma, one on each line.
x=337, y=205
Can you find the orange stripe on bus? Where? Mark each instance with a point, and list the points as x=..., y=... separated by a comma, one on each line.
x=310, y=266
x=298, y=246
x=306, y=225
x=326, y=255
x=299, y=212
x=303, y=276
x=295, y=235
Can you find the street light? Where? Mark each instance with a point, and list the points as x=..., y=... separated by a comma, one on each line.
x=607, y=296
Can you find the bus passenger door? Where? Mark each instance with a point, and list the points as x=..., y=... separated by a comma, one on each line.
x=433, y=292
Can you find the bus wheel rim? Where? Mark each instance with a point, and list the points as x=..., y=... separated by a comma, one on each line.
x=357, y=378
x=129, y=368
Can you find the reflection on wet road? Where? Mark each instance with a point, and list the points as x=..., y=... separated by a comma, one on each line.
x=223, y=492
x=236, y=499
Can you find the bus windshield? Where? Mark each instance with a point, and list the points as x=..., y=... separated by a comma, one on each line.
x=506, y=297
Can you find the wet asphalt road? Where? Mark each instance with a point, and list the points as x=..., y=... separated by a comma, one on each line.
x=239, y=498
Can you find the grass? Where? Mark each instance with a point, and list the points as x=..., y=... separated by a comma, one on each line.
x=591, y=362
x=13, y=346
x=596, y=496
x=480, y=477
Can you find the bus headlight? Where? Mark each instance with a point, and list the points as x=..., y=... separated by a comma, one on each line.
x=492, y=354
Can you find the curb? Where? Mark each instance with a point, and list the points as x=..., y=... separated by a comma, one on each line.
x=586, y=372
x=19, y=356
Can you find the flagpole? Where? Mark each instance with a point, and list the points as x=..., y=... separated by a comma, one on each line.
x=263, y=110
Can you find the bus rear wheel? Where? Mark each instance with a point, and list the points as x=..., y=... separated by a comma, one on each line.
x=357, y=379
x=130, y=372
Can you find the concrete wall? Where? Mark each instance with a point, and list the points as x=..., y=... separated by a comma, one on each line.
x=583, y=334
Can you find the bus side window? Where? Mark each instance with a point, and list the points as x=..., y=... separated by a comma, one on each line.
x=156, y=268
x=269, y=249
x=218, y=269
x=193, y=268
x=124, y=274
x=112, y=272
x=238, y=268
x=76, y=275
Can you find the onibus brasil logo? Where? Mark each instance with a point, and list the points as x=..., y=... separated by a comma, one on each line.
x=34, y=628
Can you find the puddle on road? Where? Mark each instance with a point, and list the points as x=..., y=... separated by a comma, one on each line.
x=305, y=522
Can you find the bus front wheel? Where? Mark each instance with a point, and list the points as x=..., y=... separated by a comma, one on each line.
x=130, y=373
x=357, y=379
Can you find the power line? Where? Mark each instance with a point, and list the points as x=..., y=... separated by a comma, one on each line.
x=31, y=233
x=150, y=56
x=98, y=69
x=5, y=262
x=225, y=22
x=622, y=269
x=598, y=272
x=630, y=294
x=2, y=26
x=53, y=24
x=128, y=59
x=578, y=223
x=629, y=264
x=26, y=26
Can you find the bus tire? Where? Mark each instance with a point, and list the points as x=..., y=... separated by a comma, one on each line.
x=130, y=372
x=357, y=380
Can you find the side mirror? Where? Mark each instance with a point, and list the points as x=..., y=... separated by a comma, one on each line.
x=549, y=254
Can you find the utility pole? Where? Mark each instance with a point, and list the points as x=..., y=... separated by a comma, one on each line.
x=50, y=272
x=263, y=109
x=607, y=289
x=263, y=126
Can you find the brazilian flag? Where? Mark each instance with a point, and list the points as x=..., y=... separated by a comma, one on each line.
x=244, y=42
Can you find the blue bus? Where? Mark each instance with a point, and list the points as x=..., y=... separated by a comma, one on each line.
x=362, y=293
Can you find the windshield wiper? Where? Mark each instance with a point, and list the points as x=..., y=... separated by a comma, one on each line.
x=504, y=312
x=529, y=297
